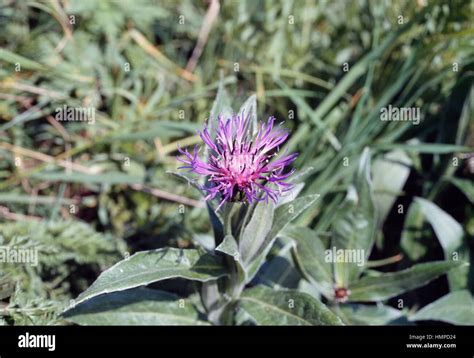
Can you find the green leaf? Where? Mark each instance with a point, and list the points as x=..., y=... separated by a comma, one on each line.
x=448, y=231
x=456, y=308
x=270, y=307
x=291, y=195
x=310, y=258
x=205, y=241
x=211, y=298
x=254, y=234
x=389, y=176
x=388, y=285
x=229, y=247
x=286, y=213
x=146, y=267
x=283, y=215
x=279, y=272
x=301, y=175
x=140, y=306
x=377, y=315
x=354, y=228
x=243, y=318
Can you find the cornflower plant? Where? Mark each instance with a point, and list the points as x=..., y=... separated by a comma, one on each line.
x=250, y=188
x=251, y=193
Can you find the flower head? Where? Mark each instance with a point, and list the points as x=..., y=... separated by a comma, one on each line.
x=241, y=166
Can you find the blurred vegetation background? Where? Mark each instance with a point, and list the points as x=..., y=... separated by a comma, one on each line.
x=88, y=194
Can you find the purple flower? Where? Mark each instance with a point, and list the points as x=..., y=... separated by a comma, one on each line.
x=241, y=166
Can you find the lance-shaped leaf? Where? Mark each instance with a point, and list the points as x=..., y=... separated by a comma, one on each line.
x=288, y=212
x=354, y=228
x=230, y=248
x=270, y=307
x=449, y=233
x=377, y=315
x=389, y=176
x=384, y=286
x=456, y=308
x=292, y=194
x=279, y=272
x=146, y=267
x=310, y=258
x=283, y=215
x=254, y=234
x=139, y=306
